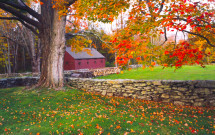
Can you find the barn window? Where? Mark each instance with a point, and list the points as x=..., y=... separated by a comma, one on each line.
x=72, y=63
x=101, y=61
x=67, y=62
x=79, y=63
x=87, y=62
x=94, y=62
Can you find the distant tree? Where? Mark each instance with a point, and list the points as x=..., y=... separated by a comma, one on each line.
x=21, y=37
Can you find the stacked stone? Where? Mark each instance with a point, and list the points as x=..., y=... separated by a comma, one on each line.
x=192, y=93
x=19, y=75
x=19, y=81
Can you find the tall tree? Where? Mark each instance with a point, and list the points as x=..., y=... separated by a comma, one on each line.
x=49, y=25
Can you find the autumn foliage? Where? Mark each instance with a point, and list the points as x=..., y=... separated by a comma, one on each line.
x=144, y=39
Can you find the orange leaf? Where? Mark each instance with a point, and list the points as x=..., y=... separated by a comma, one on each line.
x=153, y=63
x=80, y=133
x=130, y=122
x=165, y=65
x=118, y=127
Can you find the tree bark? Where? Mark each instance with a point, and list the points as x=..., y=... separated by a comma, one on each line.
x=53, y=47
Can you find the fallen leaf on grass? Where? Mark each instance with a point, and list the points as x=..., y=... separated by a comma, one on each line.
x=130, y=122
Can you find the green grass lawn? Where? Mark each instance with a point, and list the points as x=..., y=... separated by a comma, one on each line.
x=75, y=112
x=184, y=73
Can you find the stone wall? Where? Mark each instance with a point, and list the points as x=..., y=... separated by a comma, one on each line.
x=30, y=74
x=192, y=93
x=19, y=81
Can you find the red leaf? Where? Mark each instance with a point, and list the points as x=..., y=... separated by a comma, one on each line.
x=166, y=52
x=130, y=17
x=199, y=28
x=208, y=26
x=138, y=58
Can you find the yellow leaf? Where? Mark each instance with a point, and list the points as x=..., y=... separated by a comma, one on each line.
x=132, y=131
x=90, y=41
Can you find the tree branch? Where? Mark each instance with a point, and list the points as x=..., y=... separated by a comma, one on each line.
x=182, y=19
x=161, y=6
x=82, y=33
x=165, y=36
x=176, y=38
x=13, y=40
x=19, y=15
x=69, y=36
x=70, y=2
x=71, y=23
x=208, y=41
x=24, y=7
x=25, y=24
x=97, y=37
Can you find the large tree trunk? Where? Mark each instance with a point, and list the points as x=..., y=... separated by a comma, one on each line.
x=53, y=48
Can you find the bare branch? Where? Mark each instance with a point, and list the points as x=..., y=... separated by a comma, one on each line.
x=19, y=15
x=208, y=41
x=25, y=24
x=24, y=7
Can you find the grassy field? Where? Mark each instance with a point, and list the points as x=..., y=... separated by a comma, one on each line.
x=184, y=73
x=78, y=112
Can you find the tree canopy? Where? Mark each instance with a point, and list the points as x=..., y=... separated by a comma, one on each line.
x=144, y=37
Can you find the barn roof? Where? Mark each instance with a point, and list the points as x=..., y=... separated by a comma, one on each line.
x=84, y=55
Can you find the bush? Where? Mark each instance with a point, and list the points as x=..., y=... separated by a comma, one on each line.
x=108, y=64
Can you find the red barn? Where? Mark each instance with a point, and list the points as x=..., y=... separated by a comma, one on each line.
x=83, y=60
